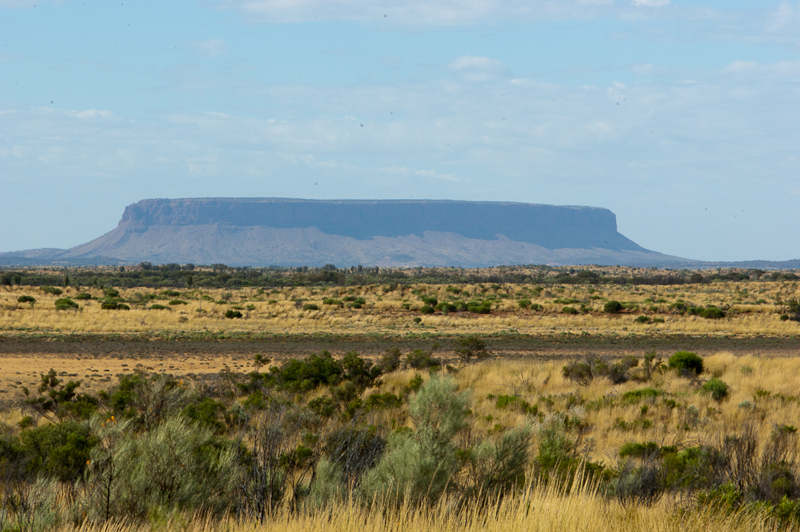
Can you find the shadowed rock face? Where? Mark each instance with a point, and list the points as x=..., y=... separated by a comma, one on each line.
x=296, y=232
x=543, y=225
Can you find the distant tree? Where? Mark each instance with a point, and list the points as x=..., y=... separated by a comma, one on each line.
x=469, y=347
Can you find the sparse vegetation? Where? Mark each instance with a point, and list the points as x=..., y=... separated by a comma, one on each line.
x=294, y=438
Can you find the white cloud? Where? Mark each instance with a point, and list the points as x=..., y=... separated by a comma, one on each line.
x=210, y=47
x=437, y=175
x=783, y=17
x=478, y=69
x=649, y=3
x=91, y=113
x=414, y=12
x=25, y=3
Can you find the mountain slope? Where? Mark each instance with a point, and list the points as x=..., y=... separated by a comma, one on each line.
x=295, y=232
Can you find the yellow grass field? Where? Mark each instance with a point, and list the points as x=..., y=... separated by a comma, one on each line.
x=752, y=308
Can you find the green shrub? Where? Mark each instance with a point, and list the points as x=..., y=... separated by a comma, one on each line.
x=328, y=487
x=569, y=310
x=310, y=306
x=419, y=359
x=354, y=450
x=60, y=450
x=111, y=292
x=639, y=450
x=579, y=372
x=324, y=406
x=83, y=296
x=426, y=309
x=26, y=299
x=479, y=307
x=66, y=303
x=712, y=313
x=690, y=467
x=178, y=465
x=642, y=319
x=635, y=396
x=206, y=413
x=178, y=302
x=516, y=403
x=383, y=401
x=232, y=314
x=612, y=307
x=113, y=304
x=159, y=307
x=419, y=467
x=52, y=290
x=686, y=361
x=446, y=307
x=583, y=372
x=39, y=506
x=717, y=389
x=309, y=373
x=471, y=346
x=360, y=371
x=390, y=361
x=524, y=303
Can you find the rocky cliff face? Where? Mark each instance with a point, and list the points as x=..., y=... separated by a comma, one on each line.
x=543, y=225
x=294, y=232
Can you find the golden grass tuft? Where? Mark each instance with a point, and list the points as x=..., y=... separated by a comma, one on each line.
x=537, y=509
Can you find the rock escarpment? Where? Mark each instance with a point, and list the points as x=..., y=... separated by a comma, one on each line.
x=295, y=232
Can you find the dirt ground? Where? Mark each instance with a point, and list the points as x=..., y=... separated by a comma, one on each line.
x=97, y=362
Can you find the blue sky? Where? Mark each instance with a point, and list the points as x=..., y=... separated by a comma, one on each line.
x=682, y=117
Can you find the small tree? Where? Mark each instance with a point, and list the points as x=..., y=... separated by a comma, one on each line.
x=650, y=362
x=612, y=307
x=469, y=347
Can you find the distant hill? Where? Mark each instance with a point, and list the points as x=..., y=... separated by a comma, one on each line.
x=296, y=232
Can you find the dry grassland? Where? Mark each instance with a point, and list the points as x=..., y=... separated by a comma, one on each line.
x=536, y=510
x=694, y=418
x=610, y=420
x=762, y=390
x=752, y=308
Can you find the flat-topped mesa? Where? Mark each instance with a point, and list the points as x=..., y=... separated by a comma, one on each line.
x=551, y=227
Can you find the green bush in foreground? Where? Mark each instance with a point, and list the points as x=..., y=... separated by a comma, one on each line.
x=686, y=361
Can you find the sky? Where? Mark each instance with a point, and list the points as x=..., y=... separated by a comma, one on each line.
x=680, y=116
